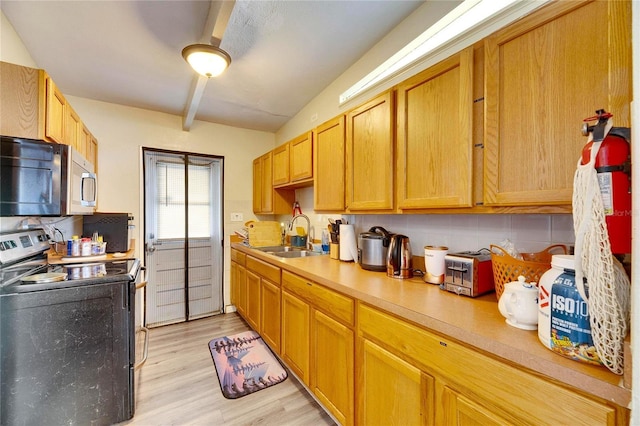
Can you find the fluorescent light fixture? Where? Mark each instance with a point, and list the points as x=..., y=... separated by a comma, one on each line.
x=468, y=15
x=207, y=60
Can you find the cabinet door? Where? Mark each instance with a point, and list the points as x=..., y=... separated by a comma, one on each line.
x=84, y=142
x=329, y=162
x=54, y=112
x=370, y=160
x=233, y=283
x=281, y=165
x=92, y=151
x=460, y=411
x=241, y=290
x=253, y=300
x=266, y=202
x=270, y=314
x=539, y=87
x=257, y=185
x=393, y=392
x=20, y=101
x=72, y=129
x=295, y=335
x=301, y=157
x=332, y=372
x=435, y=143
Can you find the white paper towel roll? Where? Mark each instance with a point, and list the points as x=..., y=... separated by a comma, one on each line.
x=348, y=245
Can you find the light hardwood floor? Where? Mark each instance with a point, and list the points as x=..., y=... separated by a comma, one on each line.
x=178, y=384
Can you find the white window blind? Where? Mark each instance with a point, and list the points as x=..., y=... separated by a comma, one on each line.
x=171, y=200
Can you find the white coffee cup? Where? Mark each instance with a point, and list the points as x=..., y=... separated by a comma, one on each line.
x=434, y=264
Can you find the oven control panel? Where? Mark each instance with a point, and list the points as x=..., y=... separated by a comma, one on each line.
x=17, y=245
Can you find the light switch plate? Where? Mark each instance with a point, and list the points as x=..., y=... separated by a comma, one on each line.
x=236, y=217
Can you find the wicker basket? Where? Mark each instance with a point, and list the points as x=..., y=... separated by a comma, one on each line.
x=507, y=268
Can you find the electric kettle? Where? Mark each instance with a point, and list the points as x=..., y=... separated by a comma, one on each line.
x=399, y=263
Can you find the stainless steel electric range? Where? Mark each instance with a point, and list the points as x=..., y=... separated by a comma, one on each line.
x=67, y=336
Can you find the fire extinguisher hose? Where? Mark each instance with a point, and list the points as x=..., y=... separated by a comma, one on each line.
x=609, y=290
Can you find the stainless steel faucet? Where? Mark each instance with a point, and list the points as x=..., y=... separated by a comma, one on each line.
x=308, y=227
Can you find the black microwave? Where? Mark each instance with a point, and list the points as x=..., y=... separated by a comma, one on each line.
x=39, y=178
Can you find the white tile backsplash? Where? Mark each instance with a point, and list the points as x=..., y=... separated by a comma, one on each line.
x=529, y=233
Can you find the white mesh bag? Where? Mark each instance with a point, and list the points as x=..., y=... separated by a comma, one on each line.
x=609, y=289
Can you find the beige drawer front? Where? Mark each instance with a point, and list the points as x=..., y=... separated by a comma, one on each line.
x=514, y=391
x=270, y=272
x=330, y=302
x=238, y=256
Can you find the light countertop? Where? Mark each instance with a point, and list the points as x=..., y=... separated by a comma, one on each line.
x=475, y=322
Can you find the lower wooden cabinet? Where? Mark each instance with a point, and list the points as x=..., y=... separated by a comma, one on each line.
x=270, y=314
x=318, y=339
x=238, y=281
x=393, y=391
x=295, y=335
x=332, y=348
x=262, y=301
x=253, y=300
x=384, y=370
x=471, y=388
x=458, y=410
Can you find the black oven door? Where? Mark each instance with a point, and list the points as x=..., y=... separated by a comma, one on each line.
x=65, y=356
x=30, y=174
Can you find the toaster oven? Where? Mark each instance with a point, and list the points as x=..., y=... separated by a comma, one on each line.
x=468, y=273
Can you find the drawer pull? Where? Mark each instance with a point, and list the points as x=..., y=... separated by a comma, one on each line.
x=309, y=284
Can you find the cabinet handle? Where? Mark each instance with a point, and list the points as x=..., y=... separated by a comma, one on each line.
x=309, y=284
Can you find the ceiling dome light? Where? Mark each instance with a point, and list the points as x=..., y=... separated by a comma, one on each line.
x=208, y=60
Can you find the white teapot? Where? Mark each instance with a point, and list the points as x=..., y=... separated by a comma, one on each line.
x=519, y=304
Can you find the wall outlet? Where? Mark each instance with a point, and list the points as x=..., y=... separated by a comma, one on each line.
x=236, y=217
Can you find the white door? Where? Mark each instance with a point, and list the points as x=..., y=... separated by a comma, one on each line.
x=183, y=226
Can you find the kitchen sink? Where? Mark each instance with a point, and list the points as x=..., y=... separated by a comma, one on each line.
x=288, y=251
x=294, y=253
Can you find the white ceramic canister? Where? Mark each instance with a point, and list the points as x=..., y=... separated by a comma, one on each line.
x=563, y=316
x=434, y=264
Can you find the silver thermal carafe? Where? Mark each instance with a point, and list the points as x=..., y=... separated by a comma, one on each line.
x=372, y=249
x=399, y=263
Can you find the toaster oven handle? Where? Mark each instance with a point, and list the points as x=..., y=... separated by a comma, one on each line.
x=457, y=269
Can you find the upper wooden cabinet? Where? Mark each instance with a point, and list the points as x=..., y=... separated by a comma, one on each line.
x=541, y=81
x=22, y=101
x=32, y=106
x=293, y=163
x=73, y=130
x=266, y=199
x=434, y=135
x=281, y=173
x=301, y=158
x=257, y=185
x=370, y=182
x=329, y=161
x=55, y=117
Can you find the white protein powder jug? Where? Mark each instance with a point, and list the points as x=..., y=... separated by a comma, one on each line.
x=563, y=316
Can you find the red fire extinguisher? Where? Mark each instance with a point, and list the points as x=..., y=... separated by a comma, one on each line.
x=613, y=164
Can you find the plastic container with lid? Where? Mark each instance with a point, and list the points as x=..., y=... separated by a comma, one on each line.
x=563, y=316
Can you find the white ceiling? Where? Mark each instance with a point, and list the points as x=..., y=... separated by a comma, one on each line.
x=129, y=52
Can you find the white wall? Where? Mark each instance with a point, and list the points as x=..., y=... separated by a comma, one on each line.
x=123, y=131
x=11, y=47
